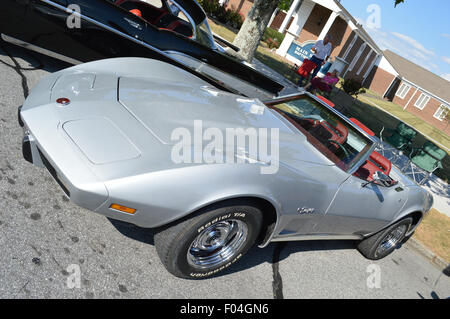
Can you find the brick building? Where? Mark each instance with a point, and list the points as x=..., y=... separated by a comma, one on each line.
x=243, y=6
x=413, y=88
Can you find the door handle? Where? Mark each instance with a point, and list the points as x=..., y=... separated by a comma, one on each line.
x=134, y=24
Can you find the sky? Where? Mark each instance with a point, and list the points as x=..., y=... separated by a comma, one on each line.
x=418, y=30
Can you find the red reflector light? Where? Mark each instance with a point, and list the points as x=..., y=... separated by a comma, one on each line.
x=63, y=101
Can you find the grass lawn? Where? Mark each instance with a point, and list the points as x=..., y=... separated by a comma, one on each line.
x=222, y=31
x=410, y=119
x=434, y=232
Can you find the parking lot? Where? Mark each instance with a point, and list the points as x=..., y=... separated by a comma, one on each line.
x=43, y=237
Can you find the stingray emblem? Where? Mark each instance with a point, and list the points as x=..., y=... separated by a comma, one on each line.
x=306, y=210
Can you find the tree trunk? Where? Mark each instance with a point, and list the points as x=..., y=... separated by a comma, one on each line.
x=253, y=28
x=241, y=4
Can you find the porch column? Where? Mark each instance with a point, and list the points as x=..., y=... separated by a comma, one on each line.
x=289, y=16
x=296, y=27
x=328, y=25
x=273, y=17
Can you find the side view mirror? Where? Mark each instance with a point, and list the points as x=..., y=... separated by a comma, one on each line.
x=379, y=178
x=382, y=178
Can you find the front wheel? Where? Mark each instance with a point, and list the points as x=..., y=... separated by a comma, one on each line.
x=385, y=242
x=211, y=241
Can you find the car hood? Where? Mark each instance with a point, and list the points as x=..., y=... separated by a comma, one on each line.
x=167, y=109
x=163, y=107
x=125, y=117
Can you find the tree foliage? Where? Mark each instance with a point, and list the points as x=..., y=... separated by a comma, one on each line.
x=285, y=5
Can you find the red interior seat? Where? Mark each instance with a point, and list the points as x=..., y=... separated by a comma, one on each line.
x=343, y=133
x=148, y=12
x=136, y=12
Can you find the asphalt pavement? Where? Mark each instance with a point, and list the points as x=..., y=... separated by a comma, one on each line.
x=51, y=248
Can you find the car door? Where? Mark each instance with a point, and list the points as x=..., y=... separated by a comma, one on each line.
x=111, y=17
x=39, y=25
x=359, y=209
x=12, y=19
x=47, y=25
x=104, y=30
x=307, y=194
x=21, y=21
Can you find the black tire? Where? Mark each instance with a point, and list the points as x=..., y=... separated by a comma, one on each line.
x=371, y=247
x=174, y=243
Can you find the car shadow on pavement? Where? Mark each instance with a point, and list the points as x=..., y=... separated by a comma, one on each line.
x=21, y=59
x=255, y=256
x=276, y=252
x=434, y=295
x=144, y=235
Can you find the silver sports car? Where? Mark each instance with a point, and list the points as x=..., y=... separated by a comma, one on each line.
x=145, y=142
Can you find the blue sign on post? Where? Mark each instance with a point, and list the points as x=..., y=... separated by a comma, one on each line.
x=303, y=51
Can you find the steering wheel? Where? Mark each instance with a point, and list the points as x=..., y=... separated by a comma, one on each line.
x=347, y=154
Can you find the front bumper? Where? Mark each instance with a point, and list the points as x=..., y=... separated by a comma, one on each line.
x=27, y=150
x=32, y=154
x=19, y=118
x=69, y=171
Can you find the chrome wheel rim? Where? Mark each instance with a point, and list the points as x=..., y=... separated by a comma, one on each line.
x=217, y=244
x=391, y=239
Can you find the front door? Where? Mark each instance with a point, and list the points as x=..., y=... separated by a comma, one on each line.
x=362, y=210
x=97, y=29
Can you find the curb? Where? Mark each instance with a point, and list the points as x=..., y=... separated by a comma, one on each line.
x=427, y=253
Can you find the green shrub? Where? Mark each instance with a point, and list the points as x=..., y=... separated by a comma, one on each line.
x=352, y=87
x=285, y=5
x=209, y=6
x=235, y=19
x=220, y=13
x=273, y=38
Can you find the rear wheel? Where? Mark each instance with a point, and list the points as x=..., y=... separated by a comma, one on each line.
x=385, y=242
x=211, y=241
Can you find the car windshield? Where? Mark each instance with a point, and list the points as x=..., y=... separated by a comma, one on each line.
x=334, y=137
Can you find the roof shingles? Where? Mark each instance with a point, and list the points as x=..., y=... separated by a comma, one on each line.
x=418, y=75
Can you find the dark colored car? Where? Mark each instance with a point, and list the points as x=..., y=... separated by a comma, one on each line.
x=87, y=30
